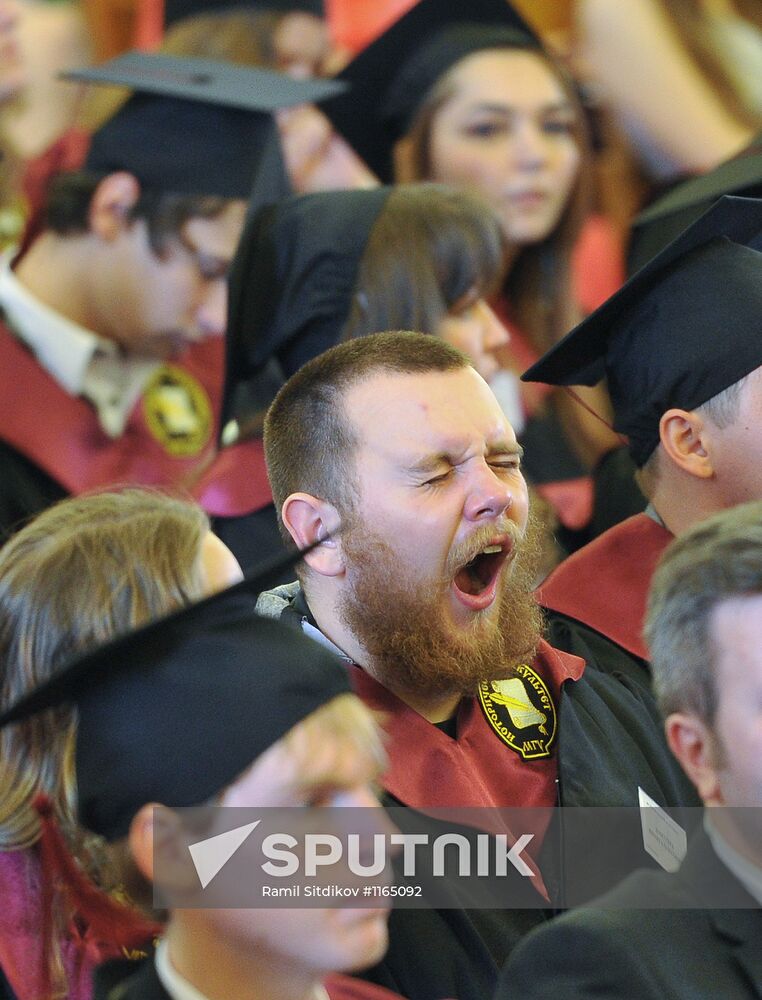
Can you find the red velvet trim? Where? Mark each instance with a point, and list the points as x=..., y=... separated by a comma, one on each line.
x=598, y=265
x=340, y=987
x=68, y=152
x=605, y=584
x=354, y=25
x=236, y=482
x=61, y=434
x=430, y=770
x=476, y=769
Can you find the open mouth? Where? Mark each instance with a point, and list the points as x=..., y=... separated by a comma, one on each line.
x=475, y=583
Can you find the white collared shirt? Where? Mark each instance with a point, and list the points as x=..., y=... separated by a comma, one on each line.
x=747, y=873
x=180, y=989
x=177, y=987
x=82, y=363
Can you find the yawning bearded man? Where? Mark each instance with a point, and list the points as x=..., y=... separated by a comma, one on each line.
x=393, y=453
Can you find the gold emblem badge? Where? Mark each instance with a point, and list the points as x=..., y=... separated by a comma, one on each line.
x=521, y=712
x=177, y=411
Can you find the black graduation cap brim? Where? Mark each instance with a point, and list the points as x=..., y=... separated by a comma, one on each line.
x=579, y=358
x=175, y=711
x=305, y=251
x=209, y=81
x=176, y=10
x=357, y=113
x=669, y=215
x=194, y=126
x=682, y=330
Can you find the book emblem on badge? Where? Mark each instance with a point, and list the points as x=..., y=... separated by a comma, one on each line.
x=521, y=712
x=177, y=411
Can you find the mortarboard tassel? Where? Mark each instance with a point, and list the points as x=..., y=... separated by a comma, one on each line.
x=113, y=927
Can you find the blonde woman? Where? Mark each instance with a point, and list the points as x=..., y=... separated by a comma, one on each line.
x=84, y=570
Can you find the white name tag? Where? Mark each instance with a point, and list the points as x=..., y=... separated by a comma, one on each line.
x=663, y=838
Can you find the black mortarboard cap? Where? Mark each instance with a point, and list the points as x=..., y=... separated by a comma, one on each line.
x=685, y=327
x=391, y=77
x=668, y=216
x=193, y=126
x=174, y=10
x=176, y=710
x=291, y=286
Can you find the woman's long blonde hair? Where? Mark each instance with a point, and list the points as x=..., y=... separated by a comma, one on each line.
x=81, y=572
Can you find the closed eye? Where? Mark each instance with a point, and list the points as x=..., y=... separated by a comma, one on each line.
x=436, y=480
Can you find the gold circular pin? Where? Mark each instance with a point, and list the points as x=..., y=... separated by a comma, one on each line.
x=521, y=712
x=178, y=412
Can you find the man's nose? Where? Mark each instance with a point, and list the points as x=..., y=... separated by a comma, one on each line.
x=489, y=495
x=212, y=310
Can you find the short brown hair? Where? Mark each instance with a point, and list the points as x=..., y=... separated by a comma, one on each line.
x=717, y=560
x=164, y=213
x=309, y=444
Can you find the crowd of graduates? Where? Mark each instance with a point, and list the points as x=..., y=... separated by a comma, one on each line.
x=461, y=304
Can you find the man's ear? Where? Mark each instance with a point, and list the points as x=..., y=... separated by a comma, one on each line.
x=309, y=520
x=140, y=838
x=684, y=436
x=695, y=747
x=111, y=203
x=158, y=846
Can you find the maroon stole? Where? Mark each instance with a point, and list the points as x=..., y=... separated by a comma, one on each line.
x=61, y=435
x=340, y=987
x=236, y=482
x=605, y=584
x=429, y=769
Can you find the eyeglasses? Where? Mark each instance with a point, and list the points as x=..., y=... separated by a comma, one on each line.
x=210, y=267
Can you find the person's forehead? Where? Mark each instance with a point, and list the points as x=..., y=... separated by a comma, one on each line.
x=403, y=416
x=506, y=77
x=736, y=628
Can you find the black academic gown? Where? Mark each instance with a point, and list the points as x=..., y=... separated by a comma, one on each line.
x=595, y=603
x=609, y=745
x=119, y=981
x=624, y=951
x=454, y=951
x=25, y=490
